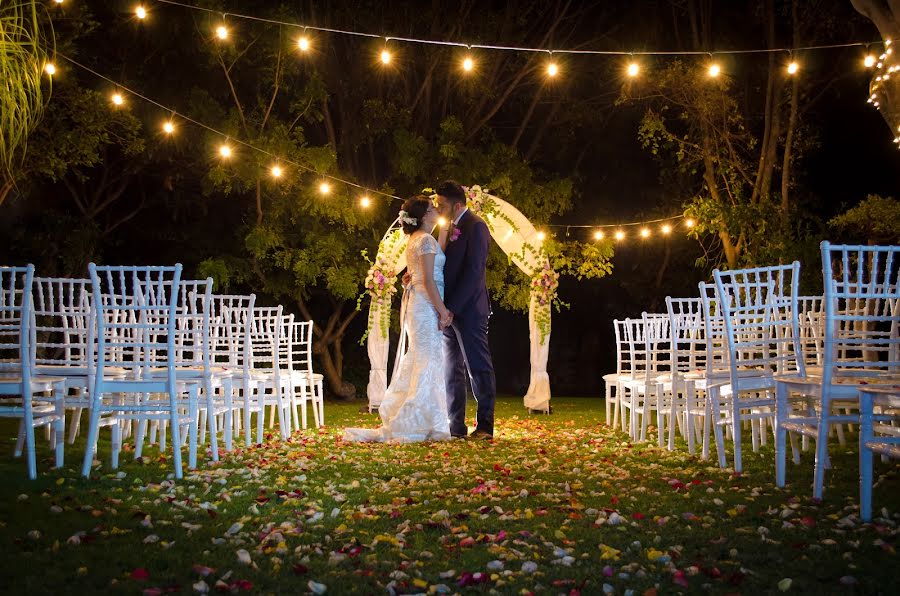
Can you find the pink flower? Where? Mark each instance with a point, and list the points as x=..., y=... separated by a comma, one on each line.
x=455, y=235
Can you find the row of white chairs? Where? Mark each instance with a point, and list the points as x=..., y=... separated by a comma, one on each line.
x=148, y=354
x=750, y=352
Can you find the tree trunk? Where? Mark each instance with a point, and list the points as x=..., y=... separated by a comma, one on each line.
x=791, y=127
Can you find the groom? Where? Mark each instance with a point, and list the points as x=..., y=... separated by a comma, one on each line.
x=465, y=295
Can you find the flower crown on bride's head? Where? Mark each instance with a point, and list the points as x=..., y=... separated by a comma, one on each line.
x=405, y=218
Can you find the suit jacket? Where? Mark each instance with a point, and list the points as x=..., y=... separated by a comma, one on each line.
x=465, y=289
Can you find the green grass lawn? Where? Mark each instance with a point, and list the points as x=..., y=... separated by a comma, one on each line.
x=556, y=504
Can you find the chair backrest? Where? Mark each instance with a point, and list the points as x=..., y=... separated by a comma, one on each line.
x=265, y=338
x=862, y=309
x=62, y=315
x=688, y=330
x=300, y=334
x=16, y=331
x=811, y=317
x=657, y=342
x=623, y=354
x=192, y=323
x=230, y=322
x=717, y=360
x=135, y=310
x=760, y=309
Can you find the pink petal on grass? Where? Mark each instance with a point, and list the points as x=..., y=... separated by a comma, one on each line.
x=140, y=574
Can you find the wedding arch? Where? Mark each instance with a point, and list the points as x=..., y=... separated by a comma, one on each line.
x=519, y=240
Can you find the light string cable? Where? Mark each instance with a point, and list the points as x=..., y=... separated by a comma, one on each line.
x=279, y=159
x=181, y=115
x=438, y=42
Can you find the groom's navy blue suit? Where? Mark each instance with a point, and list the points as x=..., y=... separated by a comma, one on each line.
x=466, y=340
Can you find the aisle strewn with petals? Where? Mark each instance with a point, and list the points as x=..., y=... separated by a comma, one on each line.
x=558, y=502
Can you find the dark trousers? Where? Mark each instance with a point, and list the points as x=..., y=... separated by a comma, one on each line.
x=466, y=350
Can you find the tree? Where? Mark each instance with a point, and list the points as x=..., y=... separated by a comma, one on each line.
x=735, y=158
x=885, y=14
x=876, y=220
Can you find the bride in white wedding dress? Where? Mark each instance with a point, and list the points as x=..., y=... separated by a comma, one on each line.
x=415, y=404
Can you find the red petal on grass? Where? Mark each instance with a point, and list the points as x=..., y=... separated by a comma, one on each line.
x=300, y=569
x=140, y=574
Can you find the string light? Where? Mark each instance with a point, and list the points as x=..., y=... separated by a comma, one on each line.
x=276, y=171
x=468, y=64
x=385, y=57
x=633, y=69
x=365, y=202
x=714, y=70
x=225, y=151
x=117, y=99
x=303, y=44
x=645, y=232
x=552, y=69
x=666, y=229
x=620, y=235
x=598, y=235
x=222, y=32
x=442, y=222
x=50, y=69
x=792, y=68
x=141, y=12
x=324, y=188
x=689, y=223
x=541, y=236
x=58, y=1
x=869, y=61
x=168, y=127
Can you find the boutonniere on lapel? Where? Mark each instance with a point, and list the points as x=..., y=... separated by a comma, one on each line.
x=454, y=236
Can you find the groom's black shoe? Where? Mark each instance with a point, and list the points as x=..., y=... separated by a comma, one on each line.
x=457, y=436
x=481, y=434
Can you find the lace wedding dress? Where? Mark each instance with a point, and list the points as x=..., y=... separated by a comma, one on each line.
x=415, y=404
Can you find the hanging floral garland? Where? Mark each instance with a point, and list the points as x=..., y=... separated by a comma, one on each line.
x=381, y=282
x=544, y=279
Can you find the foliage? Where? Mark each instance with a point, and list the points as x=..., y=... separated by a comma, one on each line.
x=23, y=54
x=875, y=220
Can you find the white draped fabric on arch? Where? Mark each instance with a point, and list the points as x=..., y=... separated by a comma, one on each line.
x=519, y=240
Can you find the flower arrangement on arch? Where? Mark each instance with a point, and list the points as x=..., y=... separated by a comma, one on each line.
x=381, y=285
x=544, y=285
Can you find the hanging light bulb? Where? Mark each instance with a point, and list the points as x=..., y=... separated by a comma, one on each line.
x=117, y=99
x=442, y=222
x=225, y=151
x=869, y=61
x=620, y=235
x=552, y=69
x=792, y=68
x=140, y=12
x=714, y=70
x=598, y=235
x=541, y=236
x=385, y=57
x=58, y=1
x=168, y=127
x=303, y=44
x=222, y=32
x=633, y=69
x=276, y=171
x=365, y=202
x=50, y=69
x=689, y=223
x=324, y=188
x=666, y=229
x=468, y=64
x=645, y=232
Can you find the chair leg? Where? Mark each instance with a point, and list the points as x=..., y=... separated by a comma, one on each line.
x=92, y=438
x=865, y=457
x=176, y=439
x=227, y=388
x=194, y=423
x=821, y=450
x=76, y=424
x=213, y=424
x=59, y=426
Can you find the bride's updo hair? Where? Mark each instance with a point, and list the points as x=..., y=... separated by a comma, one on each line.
x=414, y=208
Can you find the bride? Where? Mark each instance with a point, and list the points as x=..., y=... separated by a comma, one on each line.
x=415, y=404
